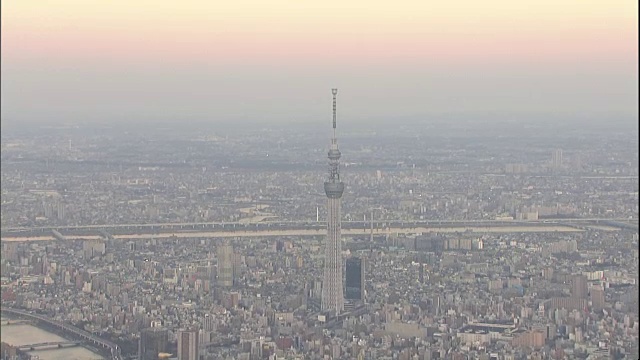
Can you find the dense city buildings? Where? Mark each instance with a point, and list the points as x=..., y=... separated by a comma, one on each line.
x=184, y=244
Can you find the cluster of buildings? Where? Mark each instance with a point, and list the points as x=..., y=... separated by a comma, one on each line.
x=481, y=293
x=255, y=298
x=113, y=177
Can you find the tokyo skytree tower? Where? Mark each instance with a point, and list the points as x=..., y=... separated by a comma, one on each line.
x=332, y=291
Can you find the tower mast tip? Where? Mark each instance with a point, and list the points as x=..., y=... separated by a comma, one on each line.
x=334, y=92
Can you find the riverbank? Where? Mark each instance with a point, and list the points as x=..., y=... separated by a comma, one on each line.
x=25, y=334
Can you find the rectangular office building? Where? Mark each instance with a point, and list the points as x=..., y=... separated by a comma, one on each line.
x=354, y=279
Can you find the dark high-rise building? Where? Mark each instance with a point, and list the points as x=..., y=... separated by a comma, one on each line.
x=225, y=264
x=188, y=345
x=579, y=287
x=153, y=341
x=596, y=294
x=556, y=158
x=354, y=279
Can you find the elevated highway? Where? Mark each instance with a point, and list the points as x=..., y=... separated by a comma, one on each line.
x=305, y=232
x=78, y=333
x=299, y=228
x=112, y=229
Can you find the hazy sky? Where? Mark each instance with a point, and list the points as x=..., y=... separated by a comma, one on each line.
x=83, y=60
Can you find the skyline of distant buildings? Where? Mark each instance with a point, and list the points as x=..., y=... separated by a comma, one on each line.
x=475, y=291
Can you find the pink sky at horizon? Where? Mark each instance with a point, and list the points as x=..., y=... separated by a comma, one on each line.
x=588, y=43
x=227, y=32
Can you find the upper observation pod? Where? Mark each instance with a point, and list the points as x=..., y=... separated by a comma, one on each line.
x=334, y=153
x=333, y=190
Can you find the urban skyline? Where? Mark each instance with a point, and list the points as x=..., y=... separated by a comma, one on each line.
x=493, y=250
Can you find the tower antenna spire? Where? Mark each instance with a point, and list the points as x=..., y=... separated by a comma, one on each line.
x=334, y=92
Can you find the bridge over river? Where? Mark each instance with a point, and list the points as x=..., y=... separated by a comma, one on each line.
x=48, y=345
x=15, y=322
x=77, y=333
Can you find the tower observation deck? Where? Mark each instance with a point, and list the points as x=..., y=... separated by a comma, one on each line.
x=332, y=291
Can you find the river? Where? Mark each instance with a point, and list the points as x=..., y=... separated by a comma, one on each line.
x=24, y=334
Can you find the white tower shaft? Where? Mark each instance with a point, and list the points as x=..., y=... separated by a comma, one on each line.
x=332, y=291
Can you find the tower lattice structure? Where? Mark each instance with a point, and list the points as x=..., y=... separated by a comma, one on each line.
x=332, y=290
